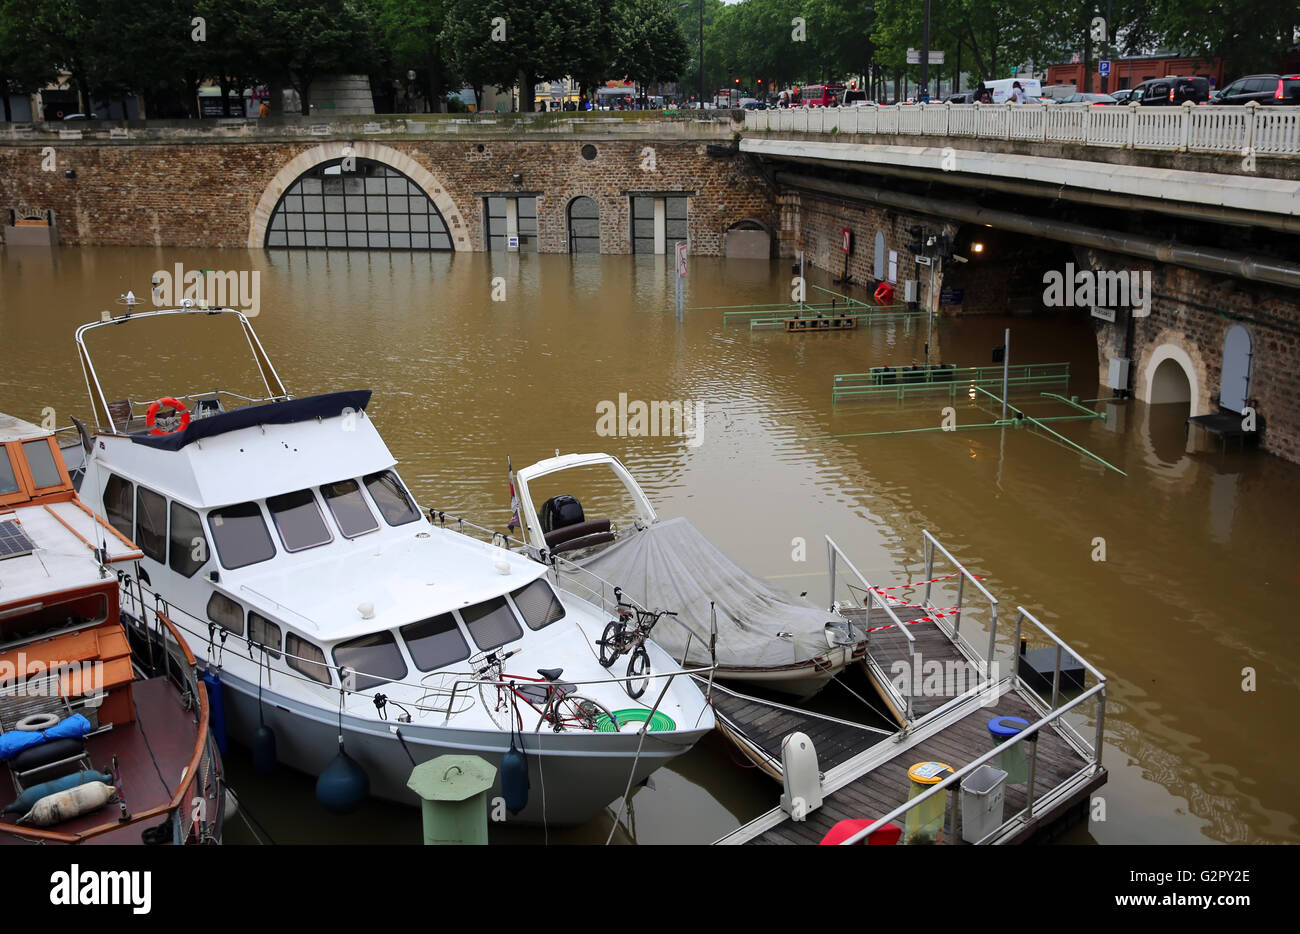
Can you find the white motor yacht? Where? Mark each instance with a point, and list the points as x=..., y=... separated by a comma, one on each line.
x=339, y=619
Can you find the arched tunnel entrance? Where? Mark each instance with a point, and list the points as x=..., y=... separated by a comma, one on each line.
x=1003, y=272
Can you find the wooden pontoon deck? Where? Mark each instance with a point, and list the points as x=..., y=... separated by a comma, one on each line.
x=875, y=782
x=942, y=689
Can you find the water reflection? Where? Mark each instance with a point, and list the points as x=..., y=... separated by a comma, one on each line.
x=1182, y=604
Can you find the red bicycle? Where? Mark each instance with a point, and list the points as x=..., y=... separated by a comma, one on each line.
x=556, y=702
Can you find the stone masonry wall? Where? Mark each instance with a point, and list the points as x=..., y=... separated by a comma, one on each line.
x=202, y=194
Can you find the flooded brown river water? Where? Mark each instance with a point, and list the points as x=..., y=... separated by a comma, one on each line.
x=1202, y=569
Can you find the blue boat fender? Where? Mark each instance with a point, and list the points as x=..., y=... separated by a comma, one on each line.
x=216, y=708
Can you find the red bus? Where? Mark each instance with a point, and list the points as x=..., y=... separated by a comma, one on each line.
x=821, y=95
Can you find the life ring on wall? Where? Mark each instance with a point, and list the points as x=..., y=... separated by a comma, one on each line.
x=36, y=722
x=884, y=293
x=152, y=414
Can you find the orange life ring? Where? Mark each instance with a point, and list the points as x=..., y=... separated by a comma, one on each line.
x=884, y=293
x=152, y=414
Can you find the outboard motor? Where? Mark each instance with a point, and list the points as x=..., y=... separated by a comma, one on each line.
x=560, y=511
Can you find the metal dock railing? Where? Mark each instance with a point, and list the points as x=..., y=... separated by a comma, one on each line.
x=975, y=670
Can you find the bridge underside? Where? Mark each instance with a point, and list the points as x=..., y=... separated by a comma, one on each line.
x=1204, y=256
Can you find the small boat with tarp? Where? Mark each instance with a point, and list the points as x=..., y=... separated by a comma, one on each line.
x=759, y=633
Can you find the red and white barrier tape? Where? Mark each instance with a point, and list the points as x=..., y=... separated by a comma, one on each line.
x=933, y=580
x=936, y=615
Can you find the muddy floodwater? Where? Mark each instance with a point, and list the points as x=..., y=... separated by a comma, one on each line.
x=1189, y=615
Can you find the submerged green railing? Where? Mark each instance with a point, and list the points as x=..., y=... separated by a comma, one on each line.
x=897, y=382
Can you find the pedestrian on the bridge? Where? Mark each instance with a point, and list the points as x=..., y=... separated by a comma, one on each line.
x=1017, y=95
x=265, y=109
x=983, y=95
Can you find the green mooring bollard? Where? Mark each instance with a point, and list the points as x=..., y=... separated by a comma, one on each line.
x=453, y=790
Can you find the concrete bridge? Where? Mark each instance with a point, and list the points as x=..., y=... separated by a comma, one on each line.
x=1199, y=206
x=1201, y=202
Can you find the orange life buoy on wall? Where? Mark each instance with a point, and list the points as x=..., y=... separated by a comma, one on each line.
x=152, y=414
x=884, y=294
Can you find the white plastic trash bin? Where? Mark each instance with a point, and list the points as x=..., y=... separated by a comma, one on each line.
x=983, y=794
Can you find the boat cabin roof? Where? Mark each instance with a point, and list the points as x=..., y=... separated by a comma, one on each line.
x=48, y=538
x=254, y=452
x=15, y=429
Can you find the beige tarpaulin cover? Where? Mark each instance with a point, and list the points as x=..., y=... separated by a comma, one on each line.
x=671, y=566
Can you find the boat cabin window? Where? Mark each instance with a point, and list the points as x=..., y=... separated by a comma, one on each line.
x=372, y=659
x=40, y=461
x=151, y=523
x=349, y=508
x=391, y=498
x=226, y=613
x=491, y=623
x=119, y=503
x=241, y=536
x=538, y=604
x=8, y=477
x=305, y=658
x=263, y=632
x=299, y=521
x=435, y=642
x=48, y=619
x=189, y=549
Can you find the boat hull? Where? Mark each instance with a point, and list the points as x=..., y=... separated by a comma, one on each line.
x=573, y=775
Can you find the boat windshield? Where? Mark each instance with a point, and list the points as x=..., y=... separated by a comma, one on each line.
x=491, y=623
x=373, y=658
x=435, y=642
x=349, y=508
x=391, y=498
x=241, y=535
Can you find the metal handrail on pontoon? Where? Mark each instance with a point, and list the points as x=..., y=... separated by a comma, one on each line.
x=834, y=553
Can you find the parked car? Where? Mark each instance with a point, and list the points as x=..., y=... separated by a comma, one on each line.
x=1259, y=88
x=1122, y=95
x=1171, y=91
x=1288, y=91
x=1085, y=97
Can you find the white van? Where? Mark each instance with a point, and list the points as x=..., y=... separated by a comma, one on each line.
x=1001, y=88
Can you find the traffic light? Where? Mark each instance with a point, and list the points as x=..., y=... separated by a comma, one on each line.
x=917, y=246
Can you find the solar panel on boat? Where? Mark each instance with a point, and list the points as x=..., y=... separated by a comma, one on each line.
x=13, y=541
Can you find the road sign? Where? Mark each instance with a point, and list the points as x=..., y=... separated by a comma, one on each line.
x=1013, y=70
x=512, y=243
x=681, y=259
x=847, y=241
x=1103, y=68
x=914, y=57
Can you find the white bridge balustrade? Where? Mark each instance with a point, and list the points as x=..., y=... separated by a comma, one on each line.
x=1189, y=128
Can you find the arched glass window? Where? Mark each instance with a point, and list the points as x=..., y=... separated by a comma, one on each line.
x=371, y=207
x=584, y=226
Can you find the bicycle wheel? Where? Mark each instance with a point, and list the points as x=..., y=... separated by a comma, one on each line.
x=638, y=672
x=608, y=643
x=583, y=713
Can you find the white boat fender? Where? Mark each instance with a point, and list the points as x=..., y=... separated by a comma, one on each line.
x=800, y=776
x=67, y=804
x=36, y=722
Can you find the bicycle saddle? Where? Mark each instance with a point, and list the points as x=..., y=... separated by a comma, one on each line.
x=550, y=674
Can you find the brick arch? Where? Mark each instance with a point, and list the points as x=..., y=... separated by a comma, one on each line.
x=1175, y=346
x=308, y=159
x=555, y=206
